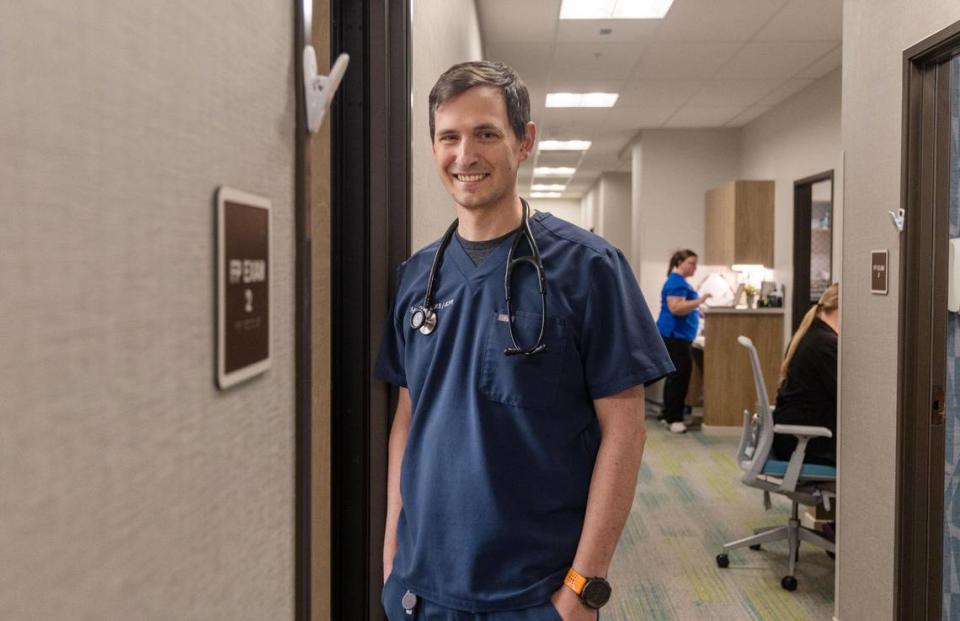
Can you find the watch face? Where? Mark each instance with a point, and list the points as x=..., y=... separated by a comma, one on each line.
x=596, y=593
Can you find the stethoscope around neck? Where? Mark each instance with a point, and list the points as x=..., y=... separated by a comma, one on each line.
x=424, y=317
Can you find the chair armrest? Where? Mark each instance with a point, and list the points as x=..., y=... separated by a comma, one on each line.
x=803, y=431
x=803, y=434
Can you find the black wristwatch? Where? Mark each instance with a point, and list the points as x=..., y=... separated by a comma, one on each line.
x=593, y=592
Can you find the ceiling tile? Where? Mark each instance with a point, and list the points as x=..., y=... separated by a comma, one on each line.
x=653, y=92
x=563, y=83
x=824, y=65
x=716, y=20
x=508, y=20
x=682, y=61
x=559, y=122
x=784, y=92
x=559, y=158
x=596, y=61
x=748, y=115
x=774, y=60
x=531, y=60
x=703, y=116
x=635, y=118
x=806, y=20
x=579, y=186
x=731, y=92
x=621, y=30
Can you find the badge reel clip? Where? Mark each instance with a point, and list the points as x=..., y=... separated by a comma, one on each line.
x=409, y=603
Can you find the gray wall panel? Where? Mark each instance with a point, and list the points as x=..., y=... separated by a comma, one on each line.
x=131, y=487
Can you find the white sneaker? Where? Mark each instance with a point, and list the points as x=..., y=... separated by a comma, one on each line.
x=678, y=428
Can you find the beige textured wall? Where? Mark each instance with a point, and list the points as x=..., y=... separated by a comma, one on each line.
x=675, y=168
x=613, y=209
x=797, y=139
x=131, y=487
x=444, y=32
x=568, y=209
x=875, y=34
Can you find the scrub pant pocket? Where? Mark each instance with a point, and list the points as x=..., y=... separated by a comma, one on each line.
x=391, y=598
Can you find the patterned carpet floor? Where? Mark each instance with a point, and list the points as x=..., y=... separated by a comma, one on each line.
x=689, y=502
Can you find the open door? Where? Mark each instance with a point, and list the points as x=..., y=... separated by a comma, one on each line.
x=928, y=525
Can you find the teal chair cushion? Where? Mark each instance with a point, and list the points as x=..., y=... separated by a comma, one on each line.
x=777, y=468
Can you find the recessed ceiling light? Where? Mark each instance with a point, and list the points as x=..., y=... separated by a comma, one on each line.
x=564, y=145
x=614, y=9
x=553, y=171
x=582, y=100
x=546, y=195
x=548, y=187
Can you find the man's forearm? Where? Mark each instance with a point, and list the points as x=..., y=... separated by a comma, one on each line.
x=614, y=481
x=397, y=444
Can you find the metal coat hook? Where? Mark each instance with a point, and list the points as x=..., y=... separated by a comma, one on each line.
x=319, y=90
x=898, y=218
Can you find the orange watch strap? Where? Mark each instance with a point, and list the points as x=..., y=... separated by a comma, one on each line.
x=575, y=581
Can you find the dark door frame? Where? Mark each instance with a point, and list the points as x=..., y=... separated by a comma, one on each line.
x=802, y=207
x=922, y=343
x=303, y=338
x=370, y=190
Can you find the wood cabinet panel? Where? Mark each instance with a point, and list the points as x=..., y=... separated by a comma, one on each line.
x=728, y=378
x=719, y=222
x=739, y=221
x=754, y=223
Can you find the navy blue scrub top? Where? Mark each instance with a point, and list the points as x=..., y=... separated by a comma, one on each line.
x=501, y=449
x=683, y=327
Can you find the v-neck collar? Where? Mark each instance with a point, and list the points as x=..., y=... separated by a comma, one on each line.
x=475, y=274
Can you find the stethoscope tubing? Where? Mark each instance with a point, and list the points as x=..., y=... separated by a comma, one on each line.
x=424, y=319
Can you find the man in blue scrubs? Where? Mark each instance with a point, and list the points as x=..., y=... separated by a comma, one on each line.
x=510, y=477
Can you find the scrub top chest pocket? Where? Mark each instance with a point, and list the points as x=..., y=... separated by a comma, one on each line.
x=523, y=381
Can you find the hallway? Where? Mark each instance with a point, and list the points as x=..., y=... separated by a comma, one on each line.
x=689, y=501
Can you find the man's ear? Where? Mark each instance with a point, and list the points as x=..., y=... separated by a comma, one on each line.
x=529, y=140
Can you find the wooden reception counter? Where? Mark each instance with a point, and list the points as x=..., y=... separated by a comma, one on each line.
x=727, y=376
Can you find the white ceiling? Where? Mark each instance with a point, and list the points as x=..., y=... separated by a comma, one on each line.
x=709, y=63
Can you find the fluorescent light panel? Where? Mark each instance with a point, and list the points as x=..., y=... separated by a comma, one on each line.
x=548, y=187
x=553, y=171
x=582, y=100
x=564, y=145
x=546, y=195
x=614, y=9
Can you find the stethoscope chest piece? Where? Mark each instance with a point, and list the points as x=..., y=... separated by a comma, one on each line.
x=423, y=320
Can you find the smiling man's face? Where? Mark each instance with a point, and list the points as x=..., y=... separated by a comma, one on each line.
x=476, y=152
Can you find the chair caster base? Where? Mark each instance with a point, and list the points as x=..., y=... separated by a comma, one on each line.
x=789, y=583
x=756, y=547
x=723, y=561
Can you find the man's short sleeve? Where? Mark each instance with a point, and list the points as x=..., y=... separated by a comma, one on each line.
x=389, y=367
x=620, y=344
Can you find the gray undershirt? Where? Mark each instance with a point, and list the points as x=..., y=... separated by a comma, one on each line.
x=480, y=250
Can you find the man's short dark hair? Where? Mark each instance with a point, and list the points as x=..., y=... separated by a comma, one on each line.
x=462, y=77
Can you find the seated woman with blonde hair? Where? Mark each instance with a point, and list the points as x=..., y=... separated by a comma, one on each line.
x=808, y=381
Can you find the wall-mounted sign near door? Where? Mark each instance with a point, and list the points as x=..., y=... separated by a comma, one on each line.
x=243, y=286
x=878, y=271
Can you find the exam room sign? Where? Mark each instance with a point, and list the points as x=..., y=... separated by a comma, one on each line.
x=243, y=286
